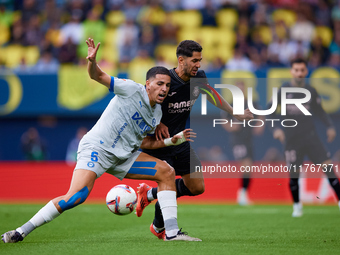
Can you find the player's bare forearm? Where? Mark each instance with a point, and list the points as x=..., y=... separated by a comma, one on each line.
x=150, y=143
x=93, y=69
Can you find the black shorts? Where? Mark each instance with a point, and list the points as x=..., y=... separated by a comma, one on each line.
x=308, y=145
x=182, y=158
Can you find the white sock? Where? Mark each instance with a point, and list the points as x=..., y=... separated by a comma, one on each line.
x=45, y=214
x=149, y=195
x=168, y=204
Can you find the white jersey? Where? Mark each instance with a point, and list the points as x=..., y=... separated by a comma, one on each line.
x=126, y=121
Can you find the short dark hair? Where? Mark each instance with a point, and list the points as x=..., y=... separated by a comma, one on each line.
x=156, y=70
x=298, y=61
x=187, y=47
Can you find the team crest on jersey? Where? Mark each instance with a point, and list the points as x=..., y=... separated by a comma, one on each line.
x=196, y=91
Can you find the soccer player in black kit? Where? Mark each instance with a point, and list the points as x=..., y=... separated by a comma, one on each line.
x=176, y=110
x=302, y=140
x=242, y=145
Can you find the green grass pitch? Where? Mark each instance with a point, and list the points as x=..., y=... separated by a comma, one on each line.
x=224, y=229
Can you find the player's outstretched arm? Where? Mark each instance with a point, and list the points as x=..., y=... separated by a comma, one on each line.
x=93, y=69
x=151, y=143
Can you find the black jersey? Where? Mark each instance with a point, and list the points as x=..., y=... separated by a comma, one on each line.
x=305, y=122
x=177, y=105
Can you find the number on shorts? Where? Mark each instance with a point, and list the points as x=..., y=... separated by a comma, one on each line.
x=94, y=157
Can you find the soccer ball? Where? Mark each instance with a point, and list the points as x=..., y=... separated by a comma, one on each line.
x=121, y=199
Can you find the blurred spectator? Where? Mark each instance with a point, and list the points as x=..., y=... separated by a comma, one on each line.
x=68, y=52
x=33, y=147
x=208, y=14
x=334, y=60
x=22, y=68
x=148, y=40
x=317, y=48
x=283, y=50
x=29, y=9
x=323, y=14
x=335, y=45
x=17, y=33
x=33, y=32
x=193, y=5
x=168, y=31
x=302, y=30
x=336, y=11
x=73, y=29
x=72, y=148
x=239, y=62
x=171, y=5
x=128, y=40
x=46, y=64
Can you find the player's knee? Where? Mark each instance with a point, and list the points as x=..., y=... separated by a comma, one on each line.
x=167, y=173
x=68, y=202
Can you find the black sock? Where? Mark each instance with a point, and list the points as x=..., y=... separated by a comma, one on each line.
x=333, y=181
x=158, y=220
x=182, y=190
x=154, y=192
x=294, y=189
x=245, y=183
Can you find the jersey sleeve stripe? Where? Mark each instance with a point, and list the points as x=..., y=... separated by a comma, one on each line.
x=112, y=84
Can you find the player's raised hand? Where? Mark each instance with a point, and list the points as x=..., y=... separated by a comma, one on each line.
x=185, y=135
x=331, y=134
x=161, y=132
x=246, y=116
x=280, y=135
x=91, y=50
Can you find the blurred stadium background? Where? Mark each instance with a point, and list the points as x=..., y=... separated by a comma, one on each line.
x=46, y=97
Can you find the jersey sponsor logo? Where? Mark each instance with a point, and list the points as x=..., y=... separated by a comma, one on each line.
x=140, y=103
x=141, y=123
x=180, y=107
x=90, y=164
x=173, y=93
x=101, y=142
x=122, y=128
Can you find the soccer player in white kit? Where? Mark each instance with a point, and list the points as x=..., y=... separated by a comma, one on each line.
x=112, y=146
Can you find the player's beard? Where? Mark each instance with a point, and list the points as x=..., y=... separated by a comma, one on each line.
x=299, y=81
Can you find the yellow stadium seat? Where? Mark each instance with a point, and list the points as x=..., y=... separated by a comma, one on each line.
x=12, y=55
x=225, y=53
x=265, y=34
x=138, y=67
x=5, y=33
x=110, y=36
x=31, y=54
x=209, y=36
x=167, y=52
x=115, y=18
x=288, y=16
x=227, y=18
x=188, y=34
x=110, y=54
x=325, y=33
x=187, y=19
x=226, y=37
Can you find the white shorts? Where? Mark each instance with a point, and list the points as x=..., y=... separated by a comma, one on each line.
x=97, y=160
